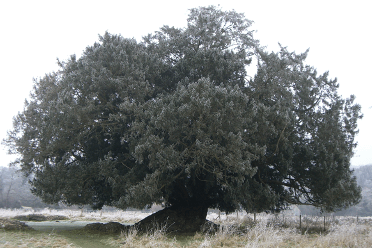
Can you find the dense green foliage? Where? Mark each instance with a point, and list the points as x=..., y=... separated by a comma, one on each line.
x=174, y=119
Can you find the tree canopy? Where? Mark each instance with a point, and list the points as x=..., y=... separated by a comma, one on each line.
x=175, y=119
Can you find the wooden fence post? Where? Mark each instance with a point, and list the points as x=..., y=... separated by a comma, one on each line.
x=324, y=223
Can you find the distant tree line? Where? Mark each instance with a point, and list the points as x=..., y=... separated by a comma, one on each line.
x=364, y=179
x=15, y=190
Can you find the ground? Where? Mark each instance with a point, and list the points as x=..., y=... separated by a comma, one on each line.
x=236, y=230
x=10, y=224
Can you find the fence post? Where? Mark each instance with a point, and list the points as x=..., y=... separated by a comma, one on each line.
x=324, y=223
x=300, y=221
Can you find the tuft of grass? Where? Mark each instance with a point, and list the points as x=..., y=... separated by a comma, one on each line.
x=268, y=235
x=154, y=238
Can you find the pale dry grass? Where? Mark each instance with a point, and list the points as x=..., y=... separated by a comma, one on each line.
x=155, y=238
x=264, y=233
x=346, y=235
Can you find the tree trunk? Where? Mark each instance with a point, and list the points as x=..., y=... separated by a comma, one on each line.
x=177, y=220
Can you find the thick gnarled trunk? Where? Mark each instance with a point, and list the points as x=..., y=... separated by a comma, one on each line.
x=176, y=220
x=185, y=220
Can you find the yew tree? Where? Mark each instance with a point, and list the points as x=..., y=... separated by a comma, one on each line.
x=176, y=120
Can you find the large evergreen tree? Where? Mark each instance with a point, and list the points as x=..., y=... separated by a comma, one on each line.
x=174, y=120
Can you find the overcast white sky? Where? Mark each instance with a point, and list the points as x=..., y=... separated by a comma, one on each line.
x=33, y=34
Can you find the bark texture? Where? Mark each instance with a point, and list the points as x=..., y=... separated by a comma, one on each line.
x=177, y=220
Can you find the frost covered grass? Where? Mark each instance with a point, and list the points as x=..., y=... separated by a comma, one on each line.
x=99, y=216
x=261, y=234
x=266, y=231
x=155, y=238
x=236, y=230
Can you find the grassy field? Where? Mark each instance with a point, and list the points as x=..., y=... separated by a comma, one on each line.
x=236, y=231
